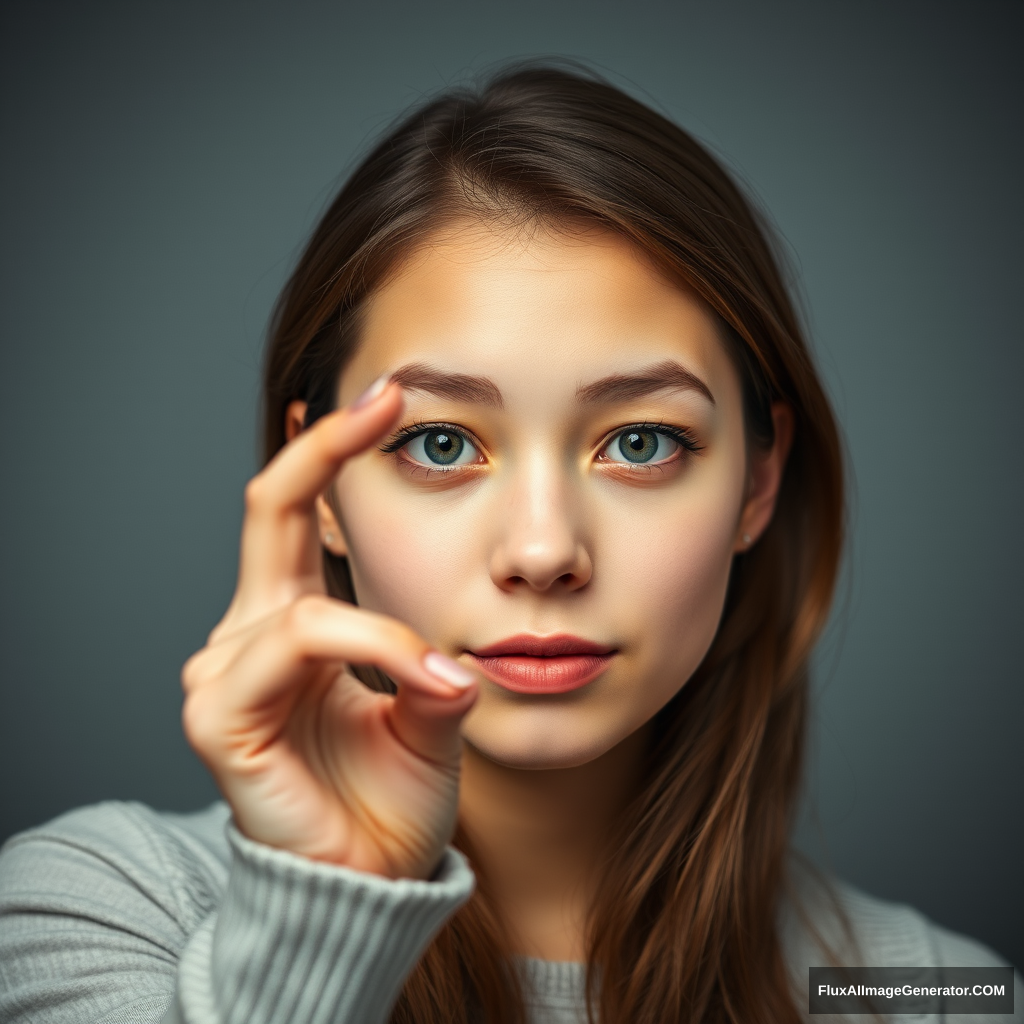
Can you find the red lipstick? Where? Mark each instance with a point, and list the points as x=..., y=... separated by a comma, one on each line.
x=543, y=664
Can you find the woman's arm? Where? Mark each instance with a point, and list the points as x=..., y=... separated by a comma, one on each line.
x=300, y=941
x=117, y=913
x=344, y=801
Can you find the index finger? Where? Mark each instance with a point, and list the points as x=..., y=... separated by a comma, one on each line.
x=306, y=465
x=280, y=549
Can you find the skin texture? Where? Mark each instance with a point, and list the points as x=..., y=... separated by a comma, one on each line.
x=541, y=538
x=542, y=528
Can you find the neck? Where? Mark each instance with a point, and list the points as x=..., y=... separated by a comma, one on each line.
x=539, y=835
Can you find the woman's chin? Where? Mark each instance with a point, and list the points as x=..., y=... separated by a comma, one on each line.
x=536, y=749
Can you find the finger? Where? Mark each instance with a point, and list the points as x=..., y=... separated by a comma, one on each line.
x=268, y=675
x=209, y=663
x=280, y=556
x=430, y=727
x=304, y=467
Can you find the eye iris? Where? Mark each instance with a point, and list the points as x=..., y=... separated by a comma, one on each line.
x=442, y=447
x=638, y=445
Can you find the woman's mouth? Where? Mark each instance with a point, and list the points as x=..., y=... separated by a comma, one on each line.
x=536, y=664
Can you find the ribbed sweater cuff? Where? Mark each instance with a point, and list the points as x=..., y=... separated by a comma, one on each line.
x=301, y=941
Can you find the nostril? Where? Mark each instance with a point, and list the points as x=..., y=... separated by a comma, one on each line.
x=540, y=567
x=568, y=580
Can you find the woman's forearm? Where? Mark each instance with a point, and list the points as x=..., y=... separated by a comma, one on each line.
x=115, y=912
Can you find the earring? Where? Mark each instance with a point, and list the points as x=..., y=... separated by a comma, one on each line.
x=328, y=537
x=746, y=538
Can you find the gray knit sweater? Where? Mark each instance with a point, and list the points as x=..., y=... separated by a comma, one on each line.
x=121, y=915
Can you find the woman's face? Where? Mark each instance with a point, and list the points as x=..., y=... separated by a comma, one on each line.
x=570, y=468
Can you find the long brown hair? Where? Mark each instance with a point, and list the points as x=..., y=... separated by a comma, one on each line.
x=685, y=928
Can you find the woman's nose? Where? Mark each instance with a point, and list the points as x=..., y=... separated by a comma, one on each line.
x=540, y=543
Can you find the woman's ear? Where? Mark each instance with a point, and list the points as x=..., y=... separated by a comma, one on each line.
x=766, y=469
x=327, y=522
x=294, y=420
x=331, y=536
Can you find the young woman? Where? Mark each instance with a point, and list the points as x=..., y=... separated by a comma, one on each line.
x=508, y=707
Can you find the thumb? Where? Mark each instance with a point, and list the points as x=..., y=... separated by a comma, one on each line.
x=427, y=721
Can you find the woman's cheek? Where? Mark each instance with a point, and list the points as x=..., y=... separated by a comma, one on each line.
x=404, y=563
x=674, y=573
x=688, y=584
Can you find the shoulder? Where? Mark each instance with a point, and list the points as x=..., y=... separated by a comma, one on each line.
x=97, y=906
x=119, y=853
x=825, y=922
x=824, y=917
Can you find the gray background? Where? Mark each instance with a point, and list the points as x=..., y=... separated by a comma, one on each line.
x=162, y=165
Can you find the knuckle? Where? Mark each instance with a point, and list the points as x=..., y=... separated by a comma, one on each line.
x=199, y=724
x=302, y=616
x=192, y=673
x=255, y=493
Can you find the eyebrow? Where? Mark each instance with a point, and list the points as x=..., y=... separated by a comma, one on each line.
x=664, y=376
x=460, y=386
x=617, y=387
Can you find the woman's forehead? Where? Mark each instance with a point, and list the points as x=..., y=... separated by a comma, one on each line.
x=584, y=307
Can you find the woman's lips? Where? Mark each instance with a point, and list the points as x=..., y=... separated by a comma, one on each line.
x=535, y=664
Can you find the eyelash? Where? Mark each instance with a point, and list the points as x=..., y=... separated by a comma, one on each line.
x=683, y=437
x=402, y=437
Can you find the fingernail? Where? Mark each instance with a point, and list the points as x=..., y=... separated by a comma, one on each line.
x=448, y=670
x=372, y=393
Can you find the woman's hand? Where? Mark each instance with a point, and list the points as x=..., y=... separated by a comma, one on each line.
x=309, y=758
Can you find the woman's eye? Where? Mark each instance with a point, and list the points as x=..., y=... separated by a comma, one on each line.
x=640, y=447
x=441, y=448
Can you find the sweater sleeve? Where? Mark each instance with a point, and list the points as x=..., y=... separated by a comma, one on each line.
x=311, y=943
x=113, y=915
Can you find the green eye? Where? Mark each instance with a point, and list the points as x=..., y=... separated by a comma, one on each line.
x=641, y=447
x=441, y=448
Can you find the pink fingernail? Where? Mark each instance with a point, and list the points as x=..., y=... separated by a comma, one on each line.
x=371, y=394
x=448, y=670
